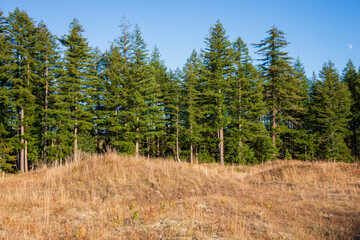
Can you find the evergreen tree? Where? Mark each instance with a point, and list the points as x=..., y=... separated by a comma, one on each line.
x=173, y=107
x=142, y=98
x=330, y=111
x=247, y=108
x=98, y=99
x=76, y=89
x=352, y=79
x=216, y=84
x=46, y=60
x=296, y=139
x=118, y=92
x=281, y=88
x=157, y=132
x=123, y=43
x=113, y=97
x=7, y=133
x=23, y=79
x=191, y=75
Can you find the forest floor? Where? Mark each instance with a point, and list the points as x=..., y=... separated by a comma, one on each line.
x=119, y=197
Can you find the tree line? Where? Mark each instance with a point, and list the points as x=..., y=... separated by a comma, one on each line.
x=60, y=97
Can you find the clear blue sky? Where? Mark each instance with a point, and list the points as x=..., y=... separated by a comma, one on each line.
x=318, y=30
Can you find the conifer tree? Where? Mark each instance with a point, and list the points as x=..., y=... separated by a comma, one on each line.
x=76, y=87
x=352, y=79
x=216, y=84
x=191, y=76
x=118, y=93
x=7, y=110
x=113, y=97
x=330, y=111
x=172, y=108
x=281, y=88
x=247, y=108
x=124, y=45
x=21, y=32
x=98, y=100
x=46, y=60
x=161, y=78
x=296, y=139
x=141, y=97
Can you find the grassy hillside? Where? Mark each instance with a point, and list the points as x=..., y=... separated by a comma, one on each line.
x=119, y=197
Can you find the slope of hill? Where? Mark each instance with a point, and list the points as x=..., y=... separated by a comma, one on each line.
x=119, y=197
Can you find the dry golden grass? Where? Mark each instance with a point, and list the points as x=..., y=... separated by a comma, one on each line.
x=119, y=197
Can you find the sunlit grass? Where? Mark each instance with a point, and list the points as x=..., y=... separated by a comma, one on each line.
x=118, y=197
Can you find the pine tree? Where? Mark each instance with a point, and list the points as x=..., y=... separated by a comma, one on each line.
x=123, y=43
x=172, y=108
x=191, y=74
x=246, y=109
x=97, y=68
x=23, y=78
x=352, y=79
x=141, y=97
x=118, y=93
x=113, y=97
x=76, y=89
x=161, y=78
x=330, y=111
x=281, y=88
x=46, y=59
x=216, y=83
x=7, y=134
x=296, y=139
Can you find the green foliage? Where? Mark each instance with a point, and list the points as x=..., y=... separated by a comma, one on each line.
x=330, y=111
x=216, y=84
x=191, y=114
x=135, y=215
x=284, y=90
x=246, y=108
x=352, y=79
x=55, y=101
x=77, y=87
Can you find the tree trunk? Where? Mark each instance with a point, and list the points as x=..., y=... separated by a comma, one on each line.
x=177, y=131
x=221, y=136
x=137, y=139
x=240, y=126
x=158, y=147
x=177, y=144
x=26, y=164
x=22, y=140
x=221, y=146
x=137, y=149
x=75, y=135
x=191, y=146
x=75, y=141
x=148, y=147
x=26, y=143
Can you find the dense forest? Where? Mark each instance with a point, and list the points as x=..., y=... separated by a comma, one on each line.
x=59, y=97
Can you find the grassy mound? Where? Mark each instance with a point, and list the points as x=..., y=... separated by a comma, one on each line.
x=120, y=197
